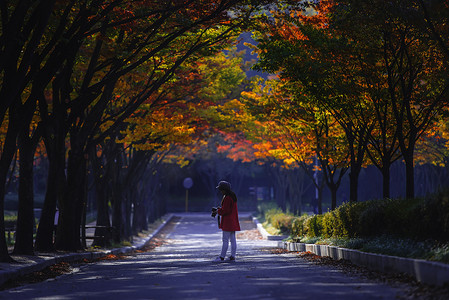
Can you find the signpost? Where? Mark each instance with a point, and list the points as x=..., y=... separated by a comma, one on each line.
x=188, y=183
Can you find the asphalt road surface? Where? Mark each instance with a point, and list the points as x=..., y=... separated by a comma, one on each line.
x=183, y=269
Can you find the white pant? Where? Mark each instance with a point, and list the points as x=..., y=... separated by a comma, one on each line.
x=228, y=235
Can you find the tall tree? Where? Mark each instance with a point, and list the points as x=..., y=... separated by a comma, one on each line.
x=303, y=51
x=59, y=37
x=414, y=63
x=303, y=131
x=368, y=77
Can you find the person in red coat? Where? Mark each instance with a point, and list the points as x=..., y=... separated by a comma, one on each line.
x=229, y=220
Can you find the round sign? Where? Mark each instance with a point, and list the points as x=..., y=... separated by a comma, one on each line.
x=188, y=183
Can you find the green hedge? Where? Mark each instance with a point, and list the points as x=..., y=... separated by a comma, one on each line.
x=419, y=218
x=279, y=220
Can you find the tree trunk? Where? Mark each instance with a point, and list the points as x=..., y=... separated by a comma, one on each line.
x=45, y=231
x=333, y=190
x=7, y=155
x=25, y=218
x=409, y=175
x=101, y=176
x=128, y=211
x=54, y=138
x=319, y=199
x=281, y=186
x=357, y=140
x=353, y=183
x=102, y=218
x=355, y=167
x=329, y=174
x=385, y=181
x=117, y=202
x=4, y=255
x=117, y=219
x=83, y=217
x=68, y=233
x=139, y=217
x=296, y=188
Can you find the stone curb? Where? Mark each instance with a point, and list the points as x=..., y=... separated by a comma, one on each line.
x=265, y=234
x=6, y=275
x=428, y=272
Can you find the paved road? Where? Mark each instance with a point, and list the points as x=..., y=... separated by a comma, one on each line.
x=182, y=269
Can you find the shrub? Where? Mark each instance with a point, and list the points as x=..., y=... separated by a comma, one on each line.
x=310, y=240
x=398, y=215
x=353, y=243
x=430, y=218
x=388, y=226
x=314, y=226
x=282, y=221
x=413, y=218
x=264, y=207
x=396, y=247
x=298, y=226
x=343, y=222
x=416, y=218
x=276, y=219
x=350, y=216
x=329, y=224
x=270, y=213
x=440, y=254
x=372, y=219
x=279, y=220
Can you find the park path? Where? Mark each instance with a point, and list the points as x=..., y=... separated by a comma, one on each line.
x=182, y=268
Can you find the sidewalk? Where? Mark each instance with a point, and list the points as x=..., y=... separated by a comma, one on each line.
x=27, y=264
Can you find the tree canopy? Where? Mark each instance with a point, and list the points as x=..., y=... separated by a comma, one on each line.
x=107, y=91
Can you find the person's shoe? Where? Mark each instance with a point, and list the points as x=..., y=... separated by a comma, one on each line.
x=218, y=259
x=231, y=258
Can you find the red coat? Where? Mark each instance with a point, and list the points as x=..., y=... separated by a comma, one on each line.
x=229, y=215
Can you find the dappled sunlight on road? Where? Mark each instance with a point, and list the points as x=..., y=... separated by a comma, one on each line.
x=182, y=268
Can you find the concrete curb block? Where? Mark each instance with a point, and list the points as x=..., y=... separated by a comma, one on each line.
x=428, y=272
x=265, y=234
x=6, y=275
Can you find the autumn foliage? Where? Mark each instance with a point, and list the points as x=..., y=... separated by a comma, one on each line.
x=106, y=91
x=353, y=95
x=101, y=84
